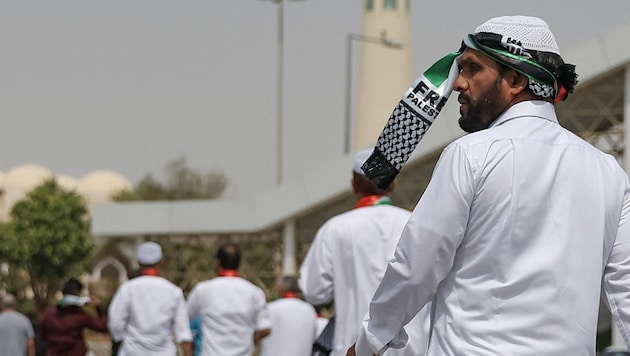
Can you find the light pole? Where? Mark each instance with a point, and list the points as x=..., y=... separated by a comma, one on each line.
x=280, y=88
x=384, y=41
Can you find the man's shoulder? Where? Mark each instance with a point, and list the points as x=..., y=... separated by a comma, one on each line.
x=143, y=282
x=14, y=315
x=381, y=214
x=358, y=213
x=49, y=311
x=18, y=320
x=295, y=304
x=221, y=282
x=474, y=138
x=291, y=301
x=208, y=283
x=248, y=284
x=393, y=208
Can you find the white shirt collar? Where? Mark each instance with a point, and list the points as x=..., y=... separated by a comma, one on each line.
x=533, y=108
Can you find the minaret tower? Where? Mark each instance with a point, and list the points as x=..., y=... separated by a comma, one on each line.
x=385, y=71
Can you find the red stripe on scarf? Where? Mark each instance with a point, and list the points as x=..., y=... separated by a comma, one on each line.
x=371, y=200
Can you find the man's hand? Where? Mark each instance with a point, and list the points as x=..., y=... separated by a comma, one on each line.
x=352, y=351
x=95, y=301
x=187, y=348
x=261, y=334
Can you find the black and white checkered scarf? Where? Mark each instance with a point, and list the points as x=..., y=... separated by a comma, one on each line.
x=410, y=120
x=421, y=104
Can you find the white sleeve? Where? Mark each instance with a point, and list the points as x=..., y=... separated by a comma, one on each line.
x=316, y=272
x=263, y=318
x=191, y=303
x=181, y=326
x=616, y=279
x=424, y=255
x=118, y=313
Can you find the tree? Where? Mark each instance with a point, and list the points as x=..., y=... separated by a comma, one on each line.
x=182, y=183
x=48, y=238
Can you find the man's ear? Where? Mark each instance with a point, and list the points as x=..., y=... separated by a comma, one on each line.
x=391, y=187
x=517, y=82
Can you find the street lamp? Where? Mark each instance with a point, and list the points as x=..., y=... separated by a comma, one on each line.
x=280, y=86
x=382, y=40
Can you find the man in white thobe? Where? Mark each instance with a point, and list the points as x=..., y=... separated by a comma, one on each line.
x=148, y=311
x=522, y=223
x=293, y=323
x=233, y=311
x=347, y=260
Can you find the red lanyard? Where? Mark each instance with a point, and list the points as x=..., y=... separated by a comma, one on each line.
x=150, y=272
x=229, y=273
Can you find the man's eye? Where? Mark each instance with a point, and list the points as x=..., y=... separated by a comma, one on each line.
x=470, y=68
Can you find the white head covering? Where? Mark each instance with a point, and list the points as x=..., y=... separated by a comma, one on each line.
x=359, y=158
x=532, y=32
x=149, y=253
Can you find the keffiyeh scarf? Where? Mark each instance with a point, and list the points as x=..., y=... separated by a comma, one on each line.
x=410, y=120
x=421, y=104
x=511, y=53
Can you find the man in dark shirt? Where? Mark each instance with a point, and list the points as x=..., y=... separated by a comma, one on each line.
x=61, y=326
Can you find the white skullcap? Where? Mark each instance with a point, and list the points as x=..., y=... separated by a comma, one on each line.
x=360, y=158
x=149, y=253
x=533, y=32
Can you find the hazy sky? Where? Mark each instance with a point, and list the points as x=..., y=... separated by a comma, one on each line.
x=130, y=85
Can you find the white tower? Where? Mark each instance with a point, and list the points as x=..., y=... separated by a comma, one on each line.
x=385, y=72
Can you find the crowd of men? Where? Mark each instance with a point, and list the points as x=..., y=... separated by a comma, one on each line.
x=229, y=315
x=149, y=315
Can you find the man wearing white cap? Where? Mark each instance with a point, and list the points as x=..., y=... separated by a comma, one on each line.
x=348, y=257
x=148, y=311
x=522, y=223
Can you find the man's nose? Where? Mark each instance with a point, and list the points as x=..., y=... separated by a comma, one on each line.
x=460, y=84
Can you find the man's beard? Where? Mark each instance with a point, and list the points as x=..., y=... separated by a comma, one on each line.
x=482, y=112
